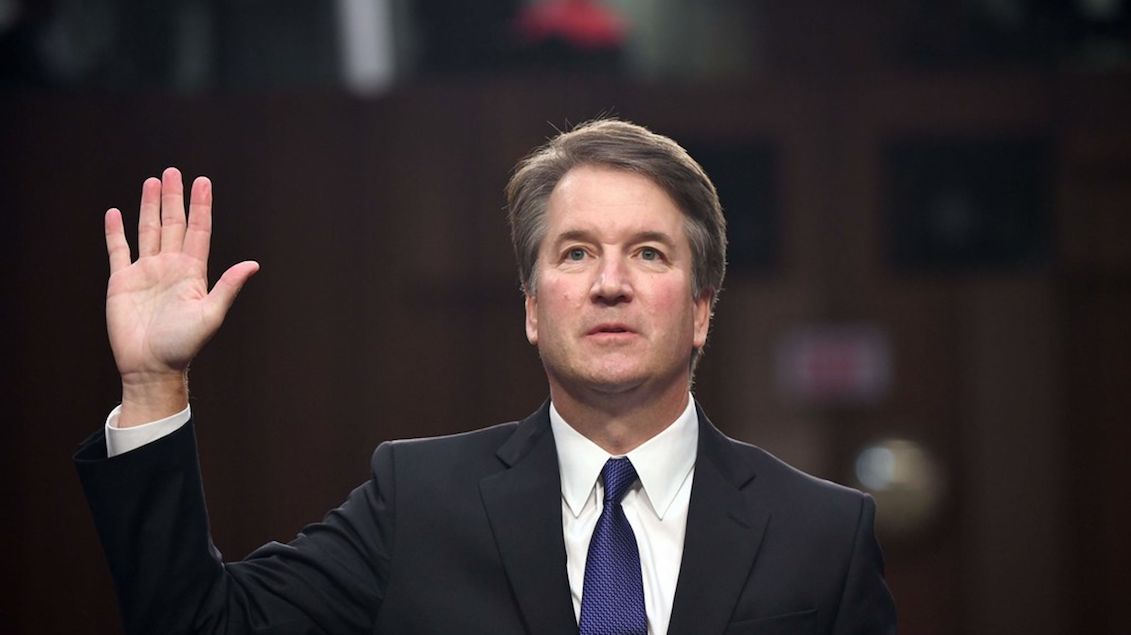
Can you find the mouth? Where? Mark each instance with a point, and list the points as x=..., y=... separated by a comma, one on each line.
x=610, y=329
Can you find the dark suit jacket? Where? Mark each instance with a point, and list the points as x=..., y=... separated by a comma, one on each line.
x=463, y=534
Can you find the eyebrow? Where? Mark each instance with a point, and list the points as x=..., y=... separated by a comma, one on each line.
x=639, y=237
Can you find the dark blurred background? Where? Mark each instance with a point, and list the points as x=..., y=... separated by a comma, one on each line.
x=929, y=293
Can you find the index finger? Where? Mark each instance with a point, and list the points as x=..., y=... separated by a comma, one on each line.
x=198, y=236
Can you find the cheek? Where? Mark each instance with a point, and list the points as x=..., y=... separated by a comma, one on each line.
x=673, y=309
x=557, y=293
x=671, y=300
x=556, y=306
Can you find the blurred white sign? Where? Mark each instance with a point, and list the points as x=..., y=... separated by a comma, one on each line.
x=835, y=364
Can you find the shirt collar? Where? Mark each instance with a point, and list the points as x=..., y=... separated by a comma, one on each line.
x=662, y=462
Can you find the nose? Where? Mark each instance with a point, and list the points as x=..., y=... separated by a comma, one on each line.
x=612, y=284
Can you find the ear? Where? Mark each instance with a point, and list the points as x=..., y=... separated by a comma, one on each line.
x=701, y=314
x=532, y=319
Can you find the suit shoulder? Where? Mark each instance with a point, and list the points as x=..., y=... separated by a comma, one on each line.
x=775, y=474
x=449, y=447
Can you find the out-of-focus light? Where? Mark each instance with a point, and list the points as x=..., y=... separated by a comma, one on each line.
x=367, y=48
x=585, y=24
x=906, y=481
x=875, y=468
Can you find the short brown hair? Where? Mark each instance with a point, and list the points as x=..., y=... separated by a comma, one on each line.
x=623, y=146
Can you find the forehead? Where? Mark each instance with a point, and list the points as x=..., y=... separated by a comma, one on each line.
x=611, y=204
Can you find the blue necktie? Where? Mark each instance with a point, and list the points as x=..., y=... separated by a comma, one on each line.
x=612, y=598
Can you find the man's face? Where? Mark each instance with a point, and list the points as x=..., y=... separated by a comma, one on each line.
x=613, y=310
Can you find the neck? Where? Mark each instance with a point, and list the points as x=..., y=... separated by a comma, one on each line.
x=620, y=422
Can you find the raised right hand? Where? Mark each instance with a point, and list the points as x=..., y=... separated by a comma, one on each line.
x=159, y=312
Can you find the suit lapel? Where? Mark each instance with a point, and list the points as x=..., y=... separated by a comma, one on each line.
x=724, y=532
x=523, y=503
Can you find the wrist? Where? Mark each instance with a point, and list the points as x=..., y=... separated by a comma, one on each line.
x=152, y=397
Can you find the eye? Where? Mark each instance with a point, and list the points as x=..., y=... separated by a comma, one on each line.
x=651, y=253
x=575, y=254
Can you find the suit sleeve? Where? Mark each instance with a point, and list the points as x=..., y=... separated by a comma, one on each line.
x=866, y=606
x=148, y=506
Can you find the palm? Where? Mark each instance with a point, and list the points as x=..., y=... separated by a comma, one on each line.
x=159, y=312
x=155, y=312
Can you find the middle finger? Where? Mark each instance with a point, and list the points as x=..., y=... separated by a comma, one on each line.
x=172, y=211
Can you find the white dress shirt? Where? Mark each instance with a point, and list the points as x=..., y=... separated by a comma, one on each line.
x=656, y=507
x=122, y=440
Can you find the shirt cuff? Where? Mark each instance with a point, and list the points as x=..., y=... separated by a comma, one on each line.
x=122, y=440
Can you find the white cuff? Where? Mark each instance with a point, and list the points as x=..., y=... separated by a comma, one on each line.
x=122, y=440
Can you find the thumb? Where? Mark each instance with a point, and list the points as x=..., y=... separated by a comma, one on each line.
x=224, y=293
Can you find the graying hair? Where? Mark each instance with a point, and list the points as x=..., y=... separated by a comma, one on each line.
x=624, y=146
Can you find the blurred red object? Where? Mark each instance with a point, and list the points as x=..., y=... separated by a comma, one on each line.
x=585, y=24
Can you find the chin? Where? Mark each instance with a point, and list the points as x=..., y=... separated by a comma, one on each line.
x=614, y=380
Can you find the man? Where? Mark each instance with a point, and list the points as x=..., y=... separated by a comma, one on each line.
x=615, y=508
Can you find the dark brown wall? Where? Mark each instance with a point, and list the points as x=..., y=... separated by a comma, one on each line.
x=387, y=307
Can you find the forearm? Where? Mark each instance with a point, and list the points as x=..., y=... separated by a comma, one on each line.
x=148, y=506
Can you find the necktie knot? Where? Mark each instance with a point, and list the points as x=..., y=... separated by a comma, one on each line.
x=618, y=475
